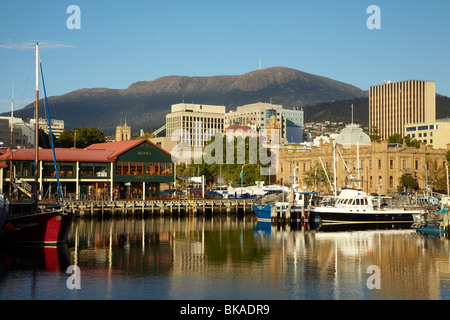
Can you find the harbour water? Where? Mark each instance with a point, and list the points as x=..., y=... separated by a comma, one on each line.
x=226, y=257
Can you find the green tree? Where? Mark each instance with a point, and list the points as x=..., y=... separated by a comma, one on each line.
x=395, y=138
x=212, y=168
x=83, y=136
x=374, y=134
x=316, y=177
x=410, y=142
x=44, y=140
x=408, y=182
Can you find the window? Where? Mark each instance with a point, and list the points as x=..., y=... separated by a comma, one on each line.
x=379, y=164
x=391, y=164
x=49, y=170
x=391, y=181
x=151, y=169
x=404, y=164
x=66, y=170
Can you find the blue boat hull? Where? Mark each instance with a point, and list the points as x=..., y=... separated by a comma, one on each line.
x=263, y=212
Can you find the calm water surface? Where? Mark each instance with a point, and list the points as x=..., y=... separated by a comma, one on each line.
x=227, y=258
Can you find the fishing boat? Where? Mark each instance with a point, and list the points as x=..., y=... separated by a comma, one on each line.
x=354, y=205
x=434, y=222
x=34, y=222
x=292, y=205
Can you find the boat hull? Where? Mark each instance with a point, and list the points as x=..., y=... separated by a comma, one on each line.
x=263, y=212
x=45, y=228
x=336, y=216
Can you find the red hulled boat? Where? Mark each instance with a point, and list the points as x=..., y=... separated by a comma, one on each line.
x=34, y=222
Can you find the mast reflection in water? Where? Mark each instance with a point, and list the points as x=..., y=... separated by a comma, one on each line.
x=226, y=257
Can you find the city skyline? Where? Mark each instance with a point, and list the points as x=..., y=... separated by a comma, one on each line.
x=120, y=43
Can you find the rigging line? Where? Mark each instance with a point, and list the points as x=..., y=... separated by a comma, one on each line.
x=50, y=134
x=50, y=102
x=26, y=84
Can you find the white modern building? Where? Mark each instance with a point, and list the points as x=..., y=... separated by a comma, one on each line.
x=194, y=124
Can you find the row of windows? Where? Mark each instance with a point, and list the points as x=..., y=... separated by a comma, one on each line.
x=378, y=165
x=141, y=168
x=93, y=170
x=430, y=127
x=67, y=170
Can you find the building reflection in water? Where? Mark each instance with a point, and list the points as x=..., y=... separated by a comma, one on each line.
x=289, y=262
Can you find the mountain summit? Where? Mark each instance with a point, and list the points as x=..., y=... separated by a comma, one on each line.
x=144, y=104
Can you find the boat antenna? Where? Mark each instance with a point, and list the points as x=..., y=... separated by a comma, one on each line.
x=51, y=134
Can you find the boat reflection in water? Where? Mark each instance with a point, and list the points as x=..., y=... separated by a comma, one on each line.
x=35, y=257
x=237, y=258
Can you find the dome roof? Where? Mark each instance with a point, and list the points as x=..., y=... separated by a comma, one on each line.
x=352, y=134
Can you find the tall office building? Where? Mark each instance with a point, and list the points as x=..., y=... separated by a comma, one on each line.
x=392, y=105
x=194, y=124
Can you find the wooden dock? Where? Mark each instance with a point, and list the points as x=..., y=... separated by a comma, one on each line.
x=292, y=216
x=160, y=207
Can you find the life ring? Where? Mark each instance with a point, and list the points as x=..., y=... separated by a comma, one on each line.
x=368, y=193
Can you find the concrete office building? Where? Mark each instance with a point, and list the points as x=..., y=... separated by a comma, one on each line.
x=290, y=121
x=392, y=105
x=193, y=124
x=435, y=133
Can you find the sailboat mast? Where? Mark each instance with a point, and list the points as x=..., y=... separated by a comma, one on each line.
x=11, y=143
x=36, y=137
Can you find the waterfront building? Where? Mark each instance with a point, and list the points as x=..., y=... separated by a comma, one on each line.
x=392, y=105
x=373, y=166
x=113, y=170
x=435, y=133
x=194, y=124
x=290, y=121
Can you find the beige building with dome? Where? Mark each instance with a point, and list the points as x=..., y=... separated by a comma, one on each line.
x=380, y=164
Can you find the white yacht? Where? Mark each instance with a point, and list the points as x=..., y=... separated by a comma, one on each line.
x=354, y=205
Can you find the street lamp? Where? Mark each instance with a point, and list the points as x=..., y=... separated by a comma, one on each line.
x=242, y=176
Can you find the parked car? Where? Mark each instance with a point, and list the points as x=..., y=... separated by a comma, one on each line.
x=213, y=195
x=405, y=195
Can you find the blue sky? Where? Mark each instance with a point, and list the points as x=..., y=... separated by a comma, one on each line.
x=121, y=42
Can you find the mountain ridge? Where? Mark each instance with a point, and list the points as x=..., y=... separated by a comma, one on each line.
x=144, y=104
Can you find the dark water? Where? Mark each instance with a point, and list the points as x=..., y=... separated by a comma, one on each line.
x=227, y=258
